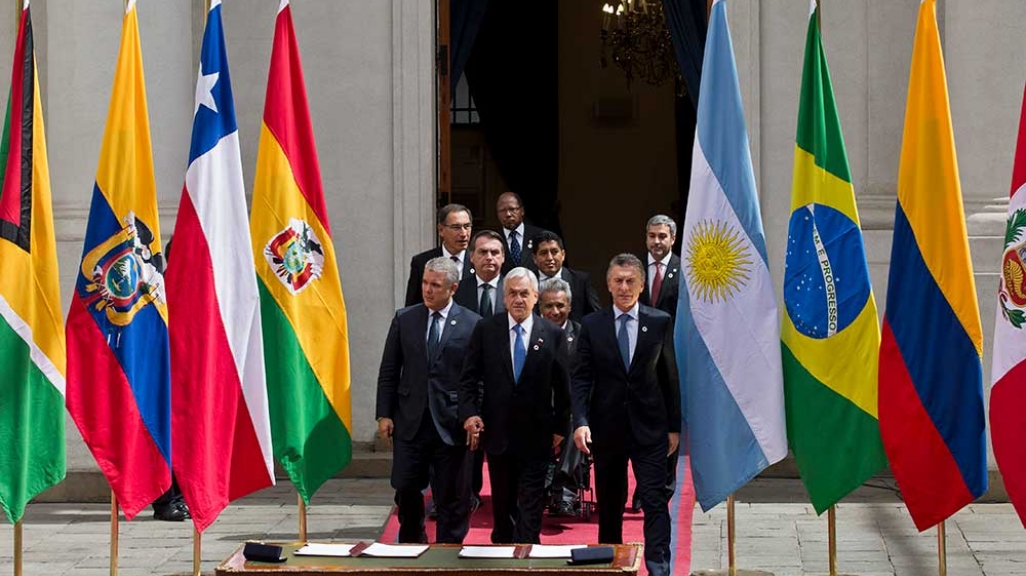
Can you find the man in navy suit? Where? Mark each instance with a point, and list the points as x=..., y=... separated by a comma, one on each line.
x=626, y=402
x=454, y=230
x=418, y=406
x=481, y=291
x=517, y=235
x=525, y=409
x=549, y=254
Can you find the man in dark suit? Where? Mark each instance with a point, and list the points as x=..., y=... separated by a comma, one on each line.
x=662, y=269
x=517, y=235
x=417, y=406
x=549, y=255
x=482, y=290
x=525, y=410
x=662, y=283
x=626, y=402
x=555, y=299
x=454, y=230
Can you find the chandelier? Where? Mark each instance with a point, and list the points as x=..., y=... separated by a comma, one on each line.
x=635, y=37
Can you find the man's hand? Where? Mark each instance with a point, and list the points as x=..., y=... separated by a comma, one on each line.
x=474, y=426
x=674, y=442
x=582, y=437
x=385, y=428
x=557, y=441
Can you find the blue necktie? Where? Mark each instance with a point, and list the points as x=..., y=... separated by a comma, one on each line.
x=623, y=339
x=433, y=333
x=519, y=353
x=514, y=248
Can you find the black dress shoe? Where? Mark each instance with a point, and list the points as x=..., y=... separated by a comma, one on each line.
x=175, y=512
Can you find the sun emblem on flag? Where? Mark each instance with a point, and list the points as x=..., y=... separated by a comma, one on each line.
x=1012, y=292
x=296, y=256
x=718, y=261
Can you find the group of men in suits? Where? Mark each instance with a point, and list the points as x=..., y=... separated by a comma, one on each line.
x=484, y=358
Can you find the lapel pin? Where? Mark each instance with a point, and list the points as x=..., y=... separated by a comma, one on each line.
x=569, y=338
x=535, y=346
x=670, y=275
x=644, y=328
x=472, y=271
x=453, y=322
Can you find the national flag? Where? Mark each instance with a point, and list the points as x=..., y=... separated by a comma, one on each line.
x=32, y=349
x=1008, y=395
x=727, y=333
x=830, y=332
x=304, y=316
x=931, y=377
x=119, y=377
x=221, y=432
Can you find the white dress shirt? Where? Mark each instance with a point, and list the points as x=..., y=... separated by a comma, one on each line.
x=632, y=327
x=458, y=255
x=542, y=277
x=520, y=236
x=527, y=324
x=665, y=263
x=441, y=323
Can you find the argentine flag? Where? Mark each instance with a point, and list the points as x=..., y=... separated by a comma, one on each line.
x=727, y=332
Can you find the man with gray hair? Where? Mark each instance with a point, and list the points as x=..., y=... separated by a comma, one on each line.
x=525, y=409
x=417, y=406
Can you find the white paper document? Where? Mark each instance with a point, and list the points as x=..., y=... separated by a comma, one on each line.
x=487, y=551
x=312, y=549
x=380, y=550
x=548, y=551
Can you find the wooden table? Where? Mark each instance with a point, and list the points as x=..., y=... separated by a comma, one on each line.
x=438, y=559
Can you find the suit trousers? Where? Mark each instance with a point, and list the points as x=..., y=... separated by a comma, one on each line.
x=649, y=464
x=427, y=459
x=518, y=497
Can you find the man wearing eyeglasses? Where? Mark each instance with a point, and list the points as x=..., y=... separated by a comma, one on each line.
x=455, y=230
x=518, y=235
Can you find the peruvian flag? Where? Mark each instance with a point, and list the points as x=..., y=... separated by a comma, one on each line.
x=220, y=428
x=1008, y=395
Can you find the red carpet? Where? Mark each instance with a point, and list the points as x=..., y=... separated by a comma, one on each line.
x=563, y=530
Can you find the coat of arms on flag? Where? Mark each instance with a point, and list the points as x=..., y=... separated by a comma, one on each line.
x=296, y=256
x=1012, y=293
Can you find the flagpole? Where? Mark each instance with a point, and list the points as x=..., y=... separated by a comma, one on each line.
x=942, y=550
x=196, y=550
x=302, y=519
x=732, y=569
x=17, y=548
x=113, y=533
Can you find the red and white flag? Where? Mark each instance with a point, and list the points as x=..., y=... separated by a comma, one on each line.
x=1008, y=395
x=220, y=428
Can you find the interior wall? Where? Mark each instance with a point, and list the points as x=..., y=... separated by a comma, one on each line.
x=614, y=173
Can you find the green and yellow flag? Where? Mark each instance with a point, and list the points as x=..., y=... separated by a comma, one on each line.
x=32, y=347
x=830, y=333
x=306, y=343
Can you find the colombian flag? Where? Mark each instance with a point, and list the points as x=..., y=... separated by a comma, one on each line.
x=119, y=378
x=831, y=334
x=931, y=378
x=32, y=350
x=304, y=317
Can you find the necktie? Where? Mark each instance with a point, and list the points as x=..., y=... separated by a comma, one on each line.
x=624, y=340
x=657, y=283
x=519, y=353
x=514, y=248
x=485, y=307
x=433, y=333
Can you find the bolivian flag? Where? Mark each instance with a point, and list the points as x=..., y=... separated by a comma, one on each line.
x=830, y=332
x=32, y=349
x=304, y=317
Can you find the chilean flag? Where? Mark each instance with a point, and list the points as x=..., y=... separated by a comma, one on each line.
x=1008, y=396
x=221, y=430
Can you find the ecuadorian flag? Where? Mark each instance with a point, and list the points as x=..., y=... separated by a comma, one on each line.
x=32, y=350
x=830, y=332
x=931, y=378
x=119, y=377
x=304, y=317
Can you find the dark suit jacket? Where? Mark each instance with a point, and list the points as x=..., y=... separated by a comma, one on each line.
x=466, y=295
x=585, y=299
x=526, y=253
x=518, y=418
x=669, y=290
x=413, y=295
x=408, y=380
x=642, y=404
x=571, y=334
